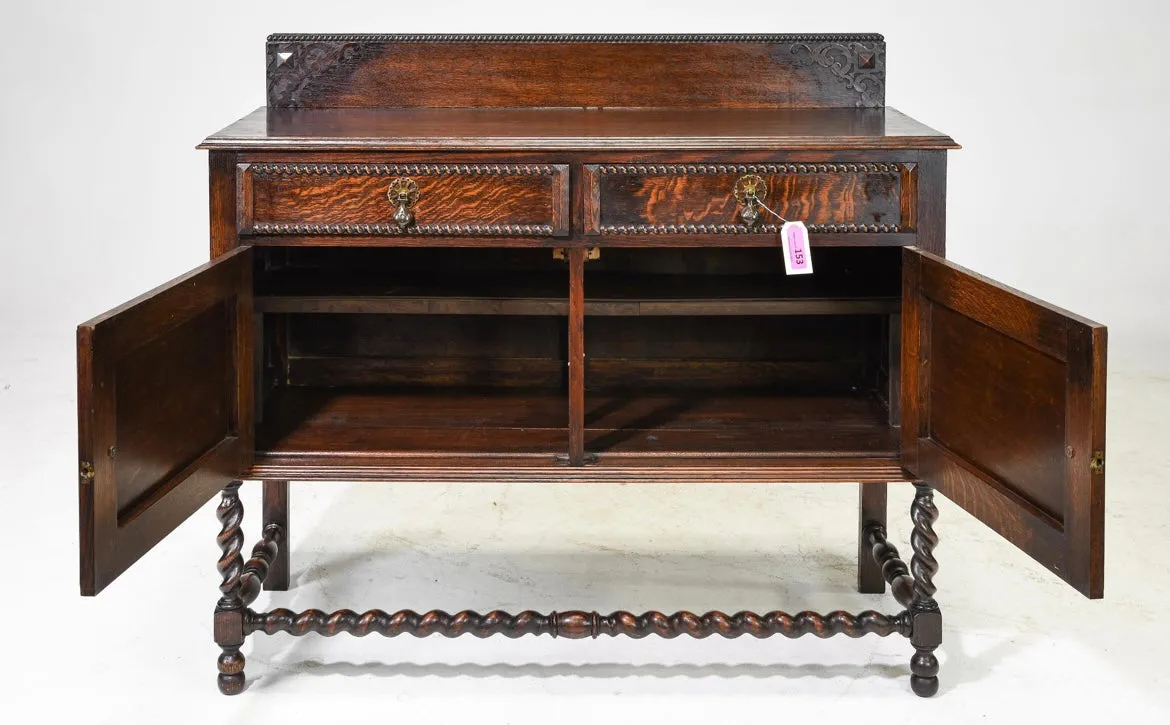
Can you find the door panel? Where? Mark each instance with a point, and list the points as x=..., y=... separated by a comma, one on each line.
x=165, y=414
x=1003, y=411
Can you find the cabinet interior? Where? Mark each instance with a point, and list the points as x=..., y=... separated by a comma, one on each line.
x=688, y=352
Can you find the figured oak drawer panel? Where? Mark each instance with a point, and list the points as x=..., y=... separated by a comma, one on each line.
x=666, y=199
x=492, y=200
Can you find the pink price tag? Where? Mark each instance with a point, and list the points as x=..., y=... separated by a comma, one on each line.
x=797, y=255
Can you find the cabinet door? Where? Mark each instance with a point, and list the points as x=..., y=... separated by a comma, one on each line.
x=164, y=403
x=1003, y=411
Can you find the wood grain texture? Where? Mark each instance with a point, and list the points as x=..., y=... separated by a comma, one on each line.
x=925, y=616
x=576, y=361
x=871, y=513
x=223, y=202
x=929, y=202
x=885, y=557
x=726, y=131
x=154, y=442
x=1003, y=412
x=477, y=200
x=276, y=514
x=800, y=355
x=228, y=620
x=512, y=71
x=618, y=470
x=698, y=198
x=575, y=624
x=430, y=352
x=860, y=233
x=690, y=424
x=535, y=423
x=439, y=422
x=624, y=282
x=165, y=411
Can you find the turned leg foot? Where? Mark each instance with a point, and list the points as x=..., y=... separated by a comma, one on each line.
x=276, y=513
x=924, y=673
x=231, y=671
x=925, y=617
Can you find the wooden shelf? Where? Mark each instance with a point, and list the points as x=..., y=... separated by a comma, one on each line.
x=606, y=294
x=510, y=424
x=327, y=422
x=703, y=425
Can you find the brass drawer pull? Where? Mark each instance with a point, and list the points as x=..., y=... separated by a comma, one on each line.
x=750, y=191
x=403, y=192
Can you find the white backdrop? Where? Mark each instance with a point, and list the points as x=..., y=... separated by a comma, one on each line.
x=103, y=196
x=1060, y=188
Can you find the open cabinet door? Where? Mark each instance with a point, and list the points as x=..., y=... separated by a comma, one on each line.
x=164, y=403
x=1003, y=411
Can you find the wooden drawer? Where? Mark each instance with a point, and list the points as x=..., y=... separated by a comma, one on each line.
x=490, y=200
x=688, y=199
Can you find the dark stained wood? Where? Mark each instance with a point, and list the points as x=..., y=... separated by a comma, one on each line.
x=576, y=362
x=276, y=513
x=543, y=306
x=164, y=411
x=853, y=234
x=453, y=200
x=925, y=616
x=760, y=376
x=567, y=71
x=259, y=565
x=698, y=198
x=431, y=351
x=441, y=422
x=228, y=621
x=386, y=423
x=893, y=368
x=575, y=624
x=652, y=282
x=222, y=202
x=1003, y=412
x=722, y=131
x=428, y=338
x=154, y=441
x=625, y=469
x=693, y=424
x=766, y=355
x=460, y=349
x=704, y=241
x=871, y=511
x=427, y=373
x=930, y=198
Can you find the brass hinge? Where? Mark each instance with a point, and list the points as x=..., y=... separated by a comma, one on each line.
x=591, y=253
x=87, y=471
x=1097, y=462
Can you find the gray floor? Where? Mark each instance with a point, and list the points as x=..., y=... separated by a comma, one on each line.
x=1019, y=643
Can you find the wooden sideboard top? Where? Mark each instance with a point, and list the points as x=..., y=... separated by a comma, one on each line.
x=477, y=129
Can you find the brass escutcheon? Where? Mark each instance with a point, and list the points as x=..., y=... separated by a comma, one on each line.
x=749, y=191
x=403, y=193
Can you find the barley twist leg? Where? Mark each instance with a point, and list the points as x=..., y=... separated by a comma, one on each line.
x=228, y=621
x=926, y=629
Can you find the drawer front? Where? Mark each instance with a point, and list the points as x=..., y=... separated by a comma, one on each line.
x=833, y=198
x=491, y=200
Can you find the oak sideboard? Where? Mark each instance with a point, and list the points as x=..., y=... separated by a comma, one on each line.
x=557, y=258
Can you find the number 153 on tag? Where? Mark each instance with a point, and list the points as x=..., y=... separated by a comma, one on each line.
x=797, y=254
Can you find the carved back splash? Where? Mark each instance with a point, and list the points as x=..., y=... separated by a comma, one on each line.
x=572, y=71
